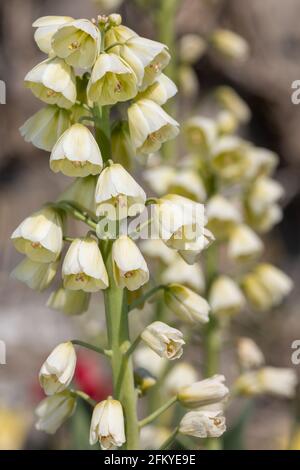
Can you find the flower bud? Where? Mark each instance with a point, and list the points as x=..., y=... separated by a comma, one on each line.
x=117, y=35
x=112, y=81
x=203, y=424
x=46, y=28
x=160, y=91
x=249, y=354
x=53, y=411
x=182, y=375
x=118, y=195
x=53, y=82
x=186, y=304
x=150, y=126
x=231, y=101
x=40, y=236
x=244, y=244
x=277, y=283
x=121, y=145
x=35, y=275
x=230, y=44
x=230, y=160
x=222, y=215
x=191, y=48
x=255, y=292
x=83, y=267
x=76, y=153
x=82, y=193
x=69, y=302
x=129, y=266
x=164, y=340
x=263, y=162
x=57, y=371
x=107, y=425
x=44, y=128
x=201, y=134
x=226, y=123
x=264, y=193
x=203, y=393
x=78, y=43
x=225, y=297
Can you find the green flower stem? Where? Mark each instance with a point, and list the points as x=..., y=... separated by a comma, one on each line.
x=170, y=439
x=103, y=130
x=84, y=396
x=133, y=346
x=105, y=352
x=158, y=412
x=76, y=213
x=118, y=336
x=69, y=239
x=136, y=303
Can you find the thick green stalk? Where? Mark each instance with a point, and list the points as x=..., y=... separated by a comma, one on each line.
x=122, y=368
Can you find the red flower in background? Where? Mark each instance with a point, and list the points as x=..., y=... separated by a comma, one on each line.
x=92, y=376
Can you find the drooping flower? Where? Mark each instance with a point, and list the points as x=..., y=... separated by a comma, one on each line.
x=76, y=153
x=40, y=236
x=244, y=244
x=150, y=126
x=69, y=302
x=83, y=267
x=78, y=43
x=107, y=425
x=186, y=304
x=225, y=297
x=230, y=44
x=249, y=354
x=45, y=127
x=129, y=266
x=118, y=195
x=164, y=340
x=53, y=411
x=53, y=82
x=35, y=275
x=203, y=424
x=204, y=392
x=160, y=91
x=46, y=28
x=57, y=371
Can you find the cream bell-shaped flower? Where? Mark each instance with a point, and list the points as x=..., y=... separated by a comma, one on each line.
x=263, y=162
x=225, y=297
x=204, y=392
x=230, y=160
x=156, y=249
x=191, y=48
x=53, y=82
x=181, y=375
x=53, y=411
x=203, y=424
x=129, y=266
x=46, y=28
x=264, y=193
x=201, y=133
x=192, y=250
x=179, y=272
x=244, y=244
x=76, y=153
x=40, y=236
x=57, y=371
x=275, y=282
x=166, y=341
x=256, y=293
x=35, y=275
x=146, y=58
x=69, y=302
x=150, y=126
x=186, y=304
x=280, y=382
x=82, y=193
x=229, y=44
x=227, y=123
x=83, y=267
x=229, y=99
x=249, y=354
x=222, y=215
x=179, y=221
x=160, y=91
x=118, y=195
x=112, y=81
x=78, y=43
x=159, y=178
x=118, y=34
x=107, y=425
x=44, y=128
x=265, y=221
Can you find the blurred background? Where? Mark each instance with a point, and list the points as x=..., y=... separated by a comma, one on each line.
x=29, y=329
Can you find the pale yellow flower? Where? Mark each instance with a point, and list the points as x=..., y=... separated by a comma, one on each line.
x=53, y=411
x=231, y=101
x=201, y=133
x=230, y=44
x=160, y=91
x=181, y=375
x=203, y=424
x=46, y=28
x=57, y=371
x=53, y=82
x=186, y=304
x=166, y=341
x=69, y=302
x=222, y=215
x=225, y=297
x=204, y=392
x=35, y=275
x=191, y=48
x=82, y=193
x=107, y=425
x=244, y=244
x=249, y=354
